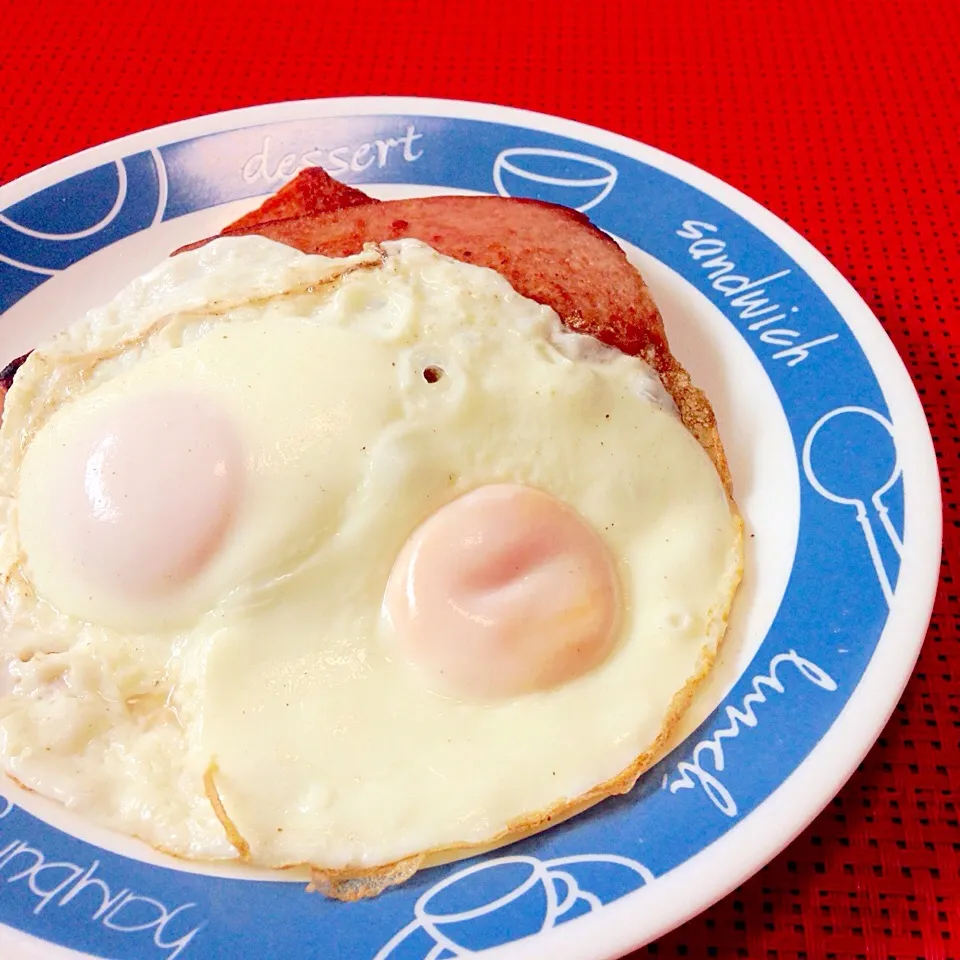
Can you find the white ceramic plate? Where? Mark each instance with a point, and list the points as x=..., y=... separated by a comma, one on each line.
x=833, y=468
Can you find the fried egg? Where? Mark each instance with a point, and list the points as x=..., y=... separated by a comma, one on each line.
x=338, y=562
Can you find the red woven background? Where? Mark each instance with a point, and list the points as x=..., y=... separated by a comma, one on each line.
x=840, y=117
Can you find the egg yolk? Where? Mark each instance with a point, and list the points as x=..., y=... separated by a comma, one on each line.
x=150, y=491
x=504, y=591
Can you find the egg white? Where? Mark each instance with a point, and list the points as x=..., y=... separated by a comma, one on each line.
x=274, y=668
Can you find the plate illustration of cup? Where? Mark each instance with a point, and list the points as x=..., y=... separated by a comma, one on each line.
x=494, y=902
x=556, y=176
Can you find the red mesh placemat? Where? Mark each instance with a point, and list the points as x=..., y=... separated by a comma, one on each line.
x=840, y=117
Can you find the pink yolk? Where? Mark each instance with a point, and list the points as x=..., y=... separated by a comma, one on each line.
x=148, y=497
x=504, y=591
